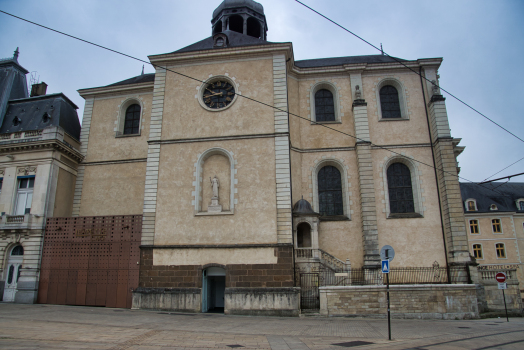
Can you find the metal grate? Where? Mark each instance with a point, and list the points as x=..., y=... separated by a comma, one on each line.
x=90, y=260
x=309, y=295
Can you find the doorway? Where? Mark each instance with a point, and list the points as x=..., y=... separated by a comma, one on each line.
x=14, y=267
x=213, y=289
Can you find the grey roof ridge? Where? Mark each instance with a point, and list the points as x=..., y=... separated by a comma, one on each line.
x=25, y=99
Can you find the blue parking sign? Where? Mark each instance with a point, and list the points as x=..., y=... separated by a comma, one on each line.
x=385, y=266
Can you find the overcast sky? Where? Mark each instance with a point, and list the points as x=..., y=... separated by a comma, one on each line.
x=481, y=41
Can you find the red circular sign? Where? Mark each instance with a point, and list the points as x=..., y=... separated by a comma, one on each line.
x=500, y=277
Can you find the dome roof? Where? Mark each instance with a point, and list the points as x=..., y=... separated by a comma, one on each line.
x=226, y=4
x=303, y=207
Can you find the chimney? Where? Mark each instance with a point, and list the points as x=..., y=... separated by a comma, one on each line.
x=38, y=89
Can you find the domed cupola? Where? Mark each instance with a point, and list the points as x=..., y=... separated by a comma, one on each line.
x=241, y=16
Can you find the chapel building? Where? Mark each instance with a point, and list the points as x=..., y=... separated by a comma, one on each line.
x=250, y=167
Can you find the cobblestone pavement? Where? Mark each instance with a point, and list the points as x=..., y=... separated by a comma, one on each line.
x=74, y=327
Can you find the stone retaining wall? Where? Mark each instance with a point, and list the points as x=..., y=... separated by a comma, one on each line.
x=447, y=301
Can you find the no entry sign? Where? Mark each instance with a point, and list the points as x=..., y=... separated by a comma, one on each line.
x=500, y=277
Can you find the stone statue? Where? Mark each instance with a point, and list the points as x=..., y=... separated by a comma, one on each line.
x=358, y=93
x=215, y=184
x=214, y=207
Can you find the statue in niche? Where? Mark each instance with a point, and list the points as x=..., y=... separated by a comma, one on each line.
x=214, y=206
x=358, y=93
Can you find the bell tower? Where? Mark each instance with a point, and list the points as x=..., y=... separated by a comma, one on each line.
x=241, y=16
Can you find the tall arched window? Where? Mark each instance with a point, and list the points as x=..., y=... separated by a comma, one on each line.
x=324, y=106
x=253, y=27
x=400, y=189
x=330, y=191
x=236, y=24
x=389, y=102
x=132, y=121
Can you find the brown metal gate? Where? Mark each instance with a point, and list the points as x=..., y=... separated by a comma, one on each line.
x=90, y=260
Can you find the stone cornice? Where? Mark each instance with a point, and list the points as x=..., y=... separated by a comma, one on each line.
x=117, y=89
x=42, y=145
x=230, y=52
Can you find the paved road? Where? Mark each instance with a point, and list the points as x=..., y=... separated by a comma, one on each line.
x=73, y=327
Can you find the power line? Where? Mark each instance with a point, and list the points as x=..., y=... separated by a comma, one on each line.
x=414, y=71
x=483, y=181
x=501, y=178
x=246, y=97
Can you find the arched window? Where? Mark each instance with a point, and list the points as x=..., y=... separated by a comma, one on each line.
x=389, y=102
x=400, y=189
x=303, y=235
x=132, y=121
x=472, y=206
x=520, y=205
x=236, y=23
x=324, y=106
x=253, y=27
x=18, y=250
x=330, y=191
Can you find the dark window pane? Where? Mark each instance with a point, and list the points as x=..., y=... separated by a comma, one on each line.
x=1, y=182
x=324, y=106
x=400, y=189
x=330, y=191
x=31, y=183
x=10, y=274
x=389, y=102
x=132, y=120
x=18, y=250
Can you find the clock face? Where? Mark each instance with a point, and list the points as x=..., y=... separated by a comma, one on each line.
x=218, y=94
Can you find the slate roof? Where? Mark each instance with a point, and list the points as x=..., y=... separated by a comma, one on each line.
x=503, y=195
x=338, y=61
x=235, y=40
x=30, y=112
x=144, y=78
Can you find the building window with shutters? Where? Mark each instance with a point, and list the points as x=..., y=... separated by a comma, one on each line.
x=497, y=227
x=330, y=191
x=474, y=227
x=501, y=250
x=24, y=195
x=477, y=251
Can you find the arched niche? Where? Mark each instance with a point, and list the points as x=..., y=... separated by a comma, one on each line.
x=253, y=27
x=304, y=235
x=220, y=163
x=236, y=23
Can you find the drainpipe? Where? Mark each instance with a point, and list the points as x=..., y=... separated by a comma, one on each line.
x=436, y=175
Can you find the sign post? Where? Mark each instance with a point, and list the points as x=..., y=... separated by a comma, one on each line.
x=501, y=279
x=387, y=253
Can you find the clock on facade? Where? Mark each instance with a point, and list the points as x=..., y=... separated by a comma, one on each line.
x=218, y=94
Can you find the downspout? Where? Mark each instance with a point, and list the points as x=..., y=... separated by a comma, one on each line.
x=436, y=175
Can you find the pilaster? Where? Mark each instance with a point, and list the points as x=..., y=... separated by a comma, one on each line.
x=282, y=160
x=84, y=140
x=153, y=159
x=448, y=182
x=368, y=208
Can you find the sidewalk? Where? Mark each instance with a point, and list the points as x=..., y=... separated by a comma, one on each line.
x=73, y=327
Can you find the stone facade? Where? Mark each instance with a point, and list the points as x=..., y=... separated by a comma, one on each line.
x=451, y=301
x=266, y=159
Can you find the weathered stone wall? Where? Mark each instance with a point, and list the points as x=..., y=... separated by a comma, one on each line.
x=262, y=301
x=251, y=289
x=447, y=301
x=493, y=300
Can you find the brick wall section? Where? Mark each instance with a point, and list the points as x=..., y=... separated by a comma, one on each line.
x=237, y=276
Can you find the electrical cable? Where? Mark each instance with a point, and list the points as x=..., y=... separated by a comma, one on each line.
x=414, y=71
x=246, y=97
x=485, y=180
